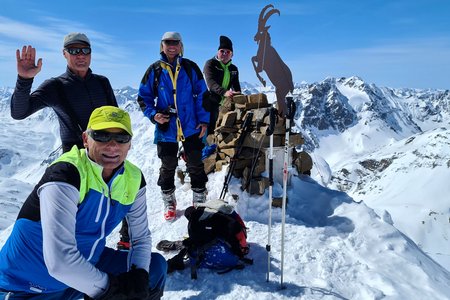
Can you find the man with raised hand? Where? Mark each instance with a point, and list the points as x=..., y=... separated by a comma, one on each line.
x=72, y=95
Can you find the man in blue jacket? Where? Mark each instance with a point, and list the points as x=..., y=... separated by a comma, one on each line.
x=170, y=95
x=57, y=247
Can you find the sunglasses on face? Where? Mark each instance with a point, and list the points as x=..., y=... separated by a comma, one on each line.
x=222, y=51
x=105, y=136
x=77, y=51
x=171, y=42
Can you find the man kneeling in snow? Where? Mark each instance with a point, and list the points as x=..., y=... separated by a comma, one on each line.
x=57, y=247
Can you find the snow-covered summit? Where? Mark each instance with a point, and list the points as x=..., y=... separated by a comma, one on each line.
x=349, y=244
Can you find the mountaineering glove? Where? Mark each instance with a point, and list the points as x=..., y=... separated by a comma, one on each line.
x=133, y=284
x=114, y=291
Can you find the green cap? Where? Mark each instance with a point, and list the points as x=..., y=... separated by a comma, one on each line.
x=110, y=117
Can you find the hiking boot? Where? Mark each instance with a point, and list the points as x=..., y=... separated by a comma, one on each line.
x=121, y=245
x=198, y=197
x=170, y=206
x=170, y=211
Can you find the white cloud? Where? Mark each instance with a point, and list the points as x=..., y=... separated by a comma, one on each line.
x=46, y=35
x=421, y=63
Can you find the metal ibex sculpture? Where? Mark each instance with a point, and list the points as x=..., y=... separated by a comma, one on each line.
x=267, y=59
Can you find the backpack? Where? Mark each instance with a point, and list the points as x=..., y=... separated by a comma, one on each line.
x=217, y=239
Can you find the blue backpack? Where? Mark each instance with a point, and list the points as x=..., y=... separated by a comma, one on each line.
x=217, y=239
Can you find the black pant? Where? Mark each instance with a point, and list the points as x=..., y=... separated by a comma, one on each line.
x=213, y=115
x=168, y=152
x=124, y=236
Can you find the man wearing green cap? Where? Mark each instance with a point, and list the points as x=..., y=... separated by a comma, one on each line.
x=73, y=95
x=57, y=247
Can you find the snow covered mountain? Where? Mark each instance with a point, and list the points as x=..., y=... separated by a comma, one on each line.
x=371, y=223
x=386, y=147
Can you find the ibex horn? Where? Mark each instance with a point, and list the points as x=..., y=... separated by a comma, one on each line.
x=263, y=19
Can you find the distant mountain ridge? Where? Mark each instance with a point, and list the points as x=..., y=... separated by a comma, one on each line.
x=336, y=104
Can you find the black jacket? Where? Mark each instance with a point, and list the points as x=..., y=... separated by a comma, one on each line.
x=214, y=75
x=72, y=99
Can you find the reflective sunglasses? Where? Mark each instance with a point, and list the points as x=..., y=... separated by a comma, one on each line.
x=77, y=51
x=225, y=51
x=105, y=136
x=172, y=42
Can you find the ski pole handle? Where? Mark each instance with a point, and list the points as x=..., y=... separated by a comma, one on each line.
x=272, y=119
x=290, y=112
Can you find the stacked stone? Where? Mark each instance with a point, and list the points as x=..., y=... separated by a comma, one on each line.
x=251, y=162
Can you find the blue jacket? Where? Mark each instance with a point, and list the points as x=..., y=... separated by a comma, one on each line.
x=189, y=108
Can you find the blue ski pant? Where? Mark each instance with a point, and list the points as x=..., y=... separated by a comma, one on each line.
x=112, y=262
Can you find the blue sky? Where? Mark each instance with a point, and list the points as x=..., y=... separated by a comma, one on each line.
x=394, y=43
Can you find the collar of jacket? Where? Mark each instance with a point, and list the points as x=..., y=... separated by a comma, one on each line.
x=98, y=169
x=166, y=60
x=227, y=64
x=74, y=76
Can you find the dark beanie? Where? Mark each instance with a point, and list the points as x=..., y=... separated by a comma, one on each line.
x=225, y=43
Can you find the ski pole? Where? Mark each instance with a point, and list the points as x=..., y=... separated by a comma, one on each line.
x=245, y=127
x=269, y=133
x=289, y=115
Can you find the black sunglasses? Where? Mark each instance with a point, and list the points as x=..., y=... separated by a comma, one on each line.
x=172, y=42
x=105, y=136
x=77, y=51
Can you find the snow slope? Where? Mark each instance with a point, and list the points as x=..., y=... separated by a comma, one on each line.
x=335, y=248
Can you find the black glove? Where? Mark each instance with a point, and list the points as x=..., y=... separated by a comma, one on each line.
x=114, y=291
x=132, y=285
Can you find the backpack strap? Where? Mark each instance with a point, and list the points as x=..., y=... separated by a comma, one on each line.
x=198, y=253
x=187, y=64
x=156, y=67
x=177, y=262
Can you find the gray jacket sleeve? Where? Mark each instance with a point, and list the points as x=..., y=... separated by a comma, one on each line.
x=140, y=237
x=58, y=207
